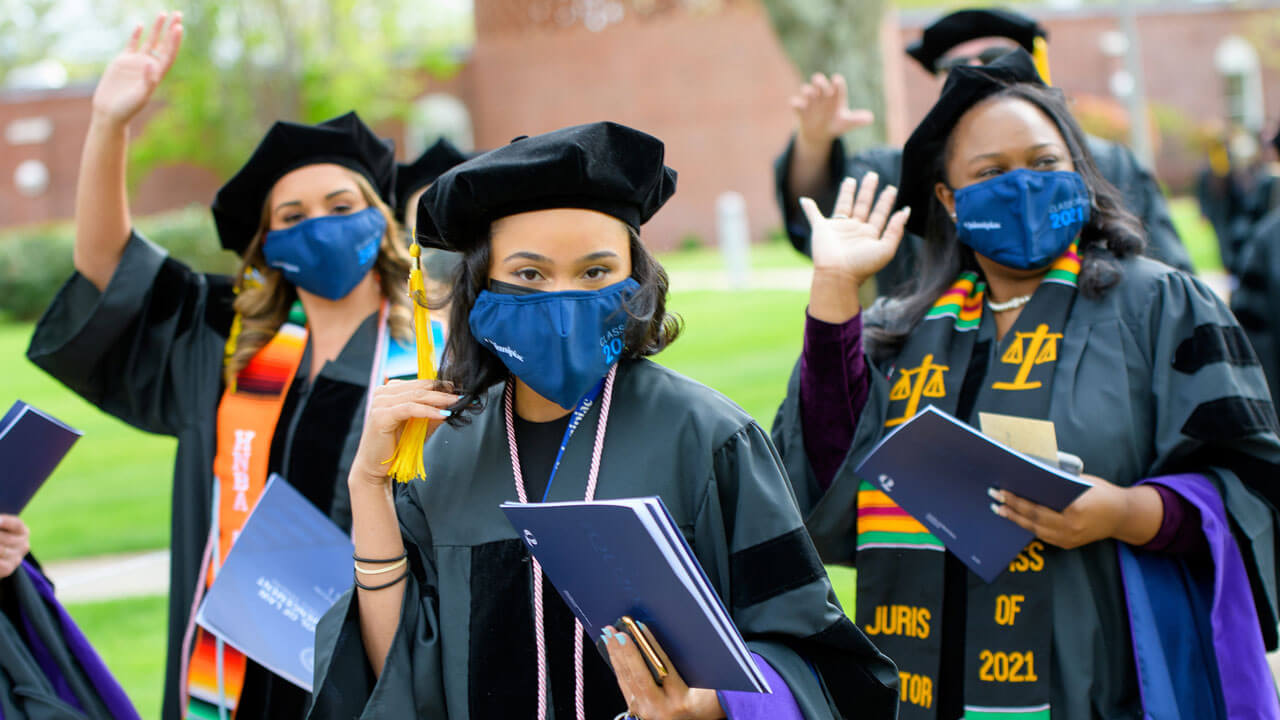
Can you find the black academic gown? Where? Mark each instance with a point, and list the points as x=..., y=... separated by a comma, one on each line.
x=149, y=350
x=27, y=689
x=1154, y=378
x=1256, y=301
x=1116, y=162
x=464, y=647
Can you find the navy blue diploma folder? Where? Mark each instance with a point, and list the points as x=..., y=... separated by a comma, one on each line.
x=610, y=558
x=286, y=569
x=32, y=444
x=938, y=469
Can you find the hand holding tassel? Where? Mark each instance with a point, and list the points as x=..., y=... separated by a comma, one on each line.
x=401, y=414
x=396, y=407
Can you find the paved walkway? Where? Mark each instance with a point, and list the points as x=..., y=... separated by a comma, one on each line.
x=110, y=576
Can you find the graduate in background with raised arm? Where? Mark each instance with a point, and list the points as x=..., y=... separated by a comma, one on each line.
x=266, y=372
x=1153, y=594
x=815, y=161
x=557, y=309
x=48, y=669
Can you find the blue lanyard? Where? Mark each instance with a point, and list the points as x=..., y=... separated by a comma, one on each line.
x=579, y=412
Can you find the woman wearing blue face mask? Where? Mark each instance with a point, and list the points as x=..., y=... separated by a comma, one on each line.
x=1144, y=597
x=263, y=373
x=556, y=307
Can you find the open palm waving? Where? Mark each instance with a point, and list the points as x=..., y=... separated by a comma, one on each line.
x=129, y=81
x=856, y=242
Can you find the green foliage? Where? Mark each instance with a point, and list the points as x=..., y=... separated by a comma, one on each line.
x=36, y=261
x=244, y=65
x=24, y=27
x=1197, y=234
x=690, y=242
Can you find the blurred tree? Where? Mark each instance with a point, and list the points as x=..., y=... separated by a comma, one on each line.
x=26, y=39
x=838, y=36
x=247, y=63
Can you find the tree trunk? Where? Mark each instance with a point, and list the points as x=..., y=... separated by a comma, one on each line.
x=838, y=36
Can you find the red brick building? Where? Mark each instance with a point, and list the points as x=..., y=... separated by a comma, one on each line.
x=708, y=77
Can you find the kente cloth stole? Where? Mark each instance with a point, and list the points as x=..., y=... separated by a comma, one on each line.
x=1008, y=633
x=247, y=418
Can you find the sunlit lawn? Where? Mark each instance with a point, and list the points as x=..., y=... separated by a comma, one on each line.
x=129, y=634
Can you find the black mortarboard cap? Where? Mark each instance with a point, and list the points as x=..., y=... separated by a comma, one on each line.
x=287, y=146
x=431, y=164
x=965, y=25
x=603, y=166
x=965, y=87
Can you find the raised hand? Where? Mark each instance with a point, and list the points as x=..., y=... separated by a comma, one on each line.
x=131, y=78
x=858, y=240
x=822, y=111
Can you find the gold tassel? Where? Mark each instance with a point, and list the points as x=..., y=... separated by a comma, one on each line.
x=1040, y=55
x=406, y=461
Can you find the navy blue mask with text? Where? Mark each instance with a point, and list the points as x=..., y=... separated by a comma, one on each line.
x=559, y=343
x=1022, y=219
x=328, y=255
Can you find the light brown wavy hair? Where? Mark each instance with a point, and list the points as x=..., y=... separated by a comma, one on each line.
x=263, y=296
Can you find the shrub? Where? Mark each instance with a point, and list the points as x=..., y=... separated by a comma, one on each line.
x=35, y=261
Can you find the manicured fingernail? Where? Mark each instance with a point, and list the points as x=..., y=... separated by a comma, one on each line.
x=997, y=509
x=995, y=494
x=446, y=413
x=606, y=634
x=643, y=626
x=622, y=638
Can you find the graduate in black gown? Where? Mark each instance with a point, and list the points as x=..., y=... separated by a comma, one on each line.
x=1256, y=299
x=556, y=310
x=1153, y=594
x=264, y=372
x=48, y=670
x=413, y=179
x=815, y=160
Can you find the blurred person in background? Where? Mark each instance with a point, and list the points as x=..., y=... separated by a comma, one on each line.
x=412, y=180
x=1256, y=297
x=265, y=372
x=815, y=160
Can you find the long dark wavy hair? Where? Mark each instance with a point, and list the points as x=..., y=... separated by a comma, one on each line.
x=1111, y=234
x=472, y=369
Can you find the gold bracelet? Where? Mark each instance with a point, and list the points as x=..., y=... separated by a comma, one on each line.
x=396, y=566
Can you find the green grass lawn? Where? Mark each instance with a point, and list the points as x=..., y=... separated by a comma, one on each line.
x=111, y=494
x=130, y=637
x=1196, y=233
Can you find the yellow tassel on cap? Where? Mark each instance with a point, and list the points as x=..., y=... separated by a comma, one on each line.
x=406, y=461
x=1040, y=55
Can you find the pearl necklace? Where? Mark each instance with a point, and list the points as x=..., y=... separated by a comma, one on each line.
x=1011, y=304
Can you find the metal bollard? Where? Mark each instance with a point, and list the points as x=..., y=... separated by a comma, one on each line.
x=734, y=237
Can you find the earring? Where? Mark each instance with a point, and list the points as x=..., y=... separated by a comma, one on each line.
x=953, y=217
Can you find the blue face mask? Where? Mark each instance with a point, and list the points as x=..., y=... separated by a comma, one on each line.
x=329, y=255
x=559, y=343
x=1022, y=219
